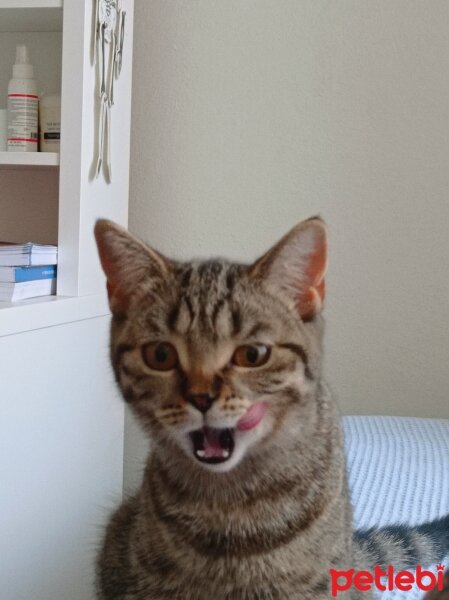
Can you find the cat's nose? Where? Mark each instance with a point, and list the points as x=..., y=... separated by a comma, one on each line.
x=202, y=402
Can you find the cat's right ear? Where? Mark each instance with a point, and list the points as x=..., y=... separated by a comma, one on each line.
x=296, y=266
x=126, y=262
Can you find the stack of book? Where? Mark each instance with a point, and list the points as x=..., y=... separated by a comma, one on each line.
x=27, y=271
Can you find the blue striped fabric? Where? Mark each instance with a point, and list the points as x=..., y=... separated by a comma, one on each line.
x=398, y=471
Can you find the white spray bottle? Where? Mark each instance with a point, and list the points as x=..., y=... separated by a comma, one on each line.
x=23, y=104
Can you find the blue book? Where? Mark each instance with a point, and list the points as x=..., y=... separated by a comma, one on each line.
x=19, y=274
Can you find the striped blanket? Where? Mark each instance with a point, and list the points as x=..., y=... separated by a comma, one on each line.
x=398, y=472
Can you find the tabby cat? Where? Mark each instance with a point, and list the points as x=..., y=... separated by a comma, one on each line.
x=244, y=495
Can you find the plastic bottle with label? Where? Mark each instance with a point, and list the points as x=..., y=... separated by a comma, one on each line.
x=23, y=104
x=50, y=122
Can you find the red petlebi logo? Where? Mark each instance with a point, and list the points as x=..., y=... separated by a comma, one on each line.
x=386, y=579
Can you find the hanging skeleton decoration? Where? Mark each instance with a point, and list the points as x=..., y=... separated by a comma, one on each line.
x=109, y=36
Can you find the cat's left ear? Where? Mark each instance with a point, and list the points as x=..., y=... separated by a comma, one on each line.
x=296, y=266
x=127, y=263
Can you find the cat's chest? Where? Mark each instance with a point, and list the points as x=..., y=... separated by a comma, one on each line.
x=278, y=587
x=281, y=575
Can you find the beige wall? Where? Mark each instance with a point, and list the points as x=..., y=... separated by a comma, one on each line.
x=250, y=115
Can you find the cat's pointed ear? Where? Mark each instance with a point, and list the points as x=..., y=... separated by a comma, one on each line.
x=126, y=262
x=296, y=266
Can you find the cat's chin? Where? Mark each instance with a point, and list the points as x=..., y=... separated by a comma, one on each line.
x=213, y=446
x=219, y=445
x=221, y=450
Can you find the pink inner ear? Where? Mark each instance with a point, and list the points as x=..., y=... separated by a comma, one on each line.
x=311, y=300
x=117, y=298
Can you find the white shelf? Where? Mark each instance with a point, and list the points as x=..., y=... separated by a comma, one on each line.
x=29, y=159
x=30, y=15
x=31, y=4
x=48, y=311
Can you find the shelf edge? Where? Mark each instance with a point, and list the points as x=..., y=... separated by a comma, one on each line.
x=35, y=4
x=50, y=311
x=29, y=159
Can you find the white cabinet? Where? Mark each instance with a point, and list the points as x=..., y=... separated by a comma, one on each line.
x=61, y=453
x=61, y=421
x=56, y=199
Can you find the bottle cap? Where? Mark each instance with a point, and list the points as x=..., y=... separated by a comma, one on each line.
x=22, y=69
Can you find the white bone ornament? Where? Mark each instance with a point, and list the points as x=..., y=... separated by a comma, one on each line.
x=109, y=37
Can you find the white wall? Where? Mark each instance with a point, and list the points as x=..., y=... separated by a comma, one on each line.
x=250, y=115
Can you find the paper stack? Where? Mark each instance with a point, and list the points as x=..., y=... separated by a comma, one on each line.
x=27, y=271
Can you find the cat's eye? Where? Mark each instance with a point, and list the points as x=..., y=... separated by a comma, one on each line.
x=160, y=356
x=254, y=355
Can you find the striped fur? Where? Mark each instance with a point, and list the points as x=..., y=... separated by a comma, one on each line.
x=269, y=522
x=404, y=546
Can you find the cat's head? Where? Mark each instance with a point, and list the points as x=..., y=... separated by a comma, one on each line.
x=213, y=357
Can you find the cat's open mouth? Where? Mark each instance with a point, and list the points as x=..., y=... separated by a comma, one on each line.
x=212, y=446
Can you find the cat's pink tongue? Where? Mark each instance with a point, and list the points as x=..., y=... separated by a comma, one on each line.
x=253, y=417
